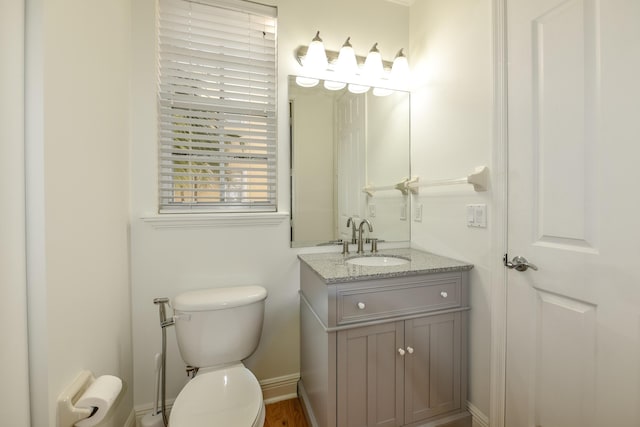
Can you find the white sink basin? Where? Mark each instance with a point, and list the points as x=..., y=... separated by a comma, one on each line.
x=377, y=261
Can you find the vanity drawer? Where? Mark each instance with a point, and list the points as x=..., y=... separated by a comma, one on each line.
x=365, y=304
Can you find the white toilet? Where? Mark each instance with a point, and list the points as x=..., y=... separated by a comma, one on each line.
x=216, y=329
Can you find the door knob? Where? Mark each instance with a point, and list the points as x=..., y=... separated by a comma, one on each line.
x=410, y=350
x=520, y=263
x=401, y=351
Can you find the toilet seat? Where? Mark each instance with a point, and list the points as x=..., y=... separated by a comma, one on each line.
x=229, y=396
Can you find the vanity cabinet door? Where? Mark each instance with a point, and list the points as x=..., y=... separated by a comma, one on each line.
x=370, y=376
x=432, y=366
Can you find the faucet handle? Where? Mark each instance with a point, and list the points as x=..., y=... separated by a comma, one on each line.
x=345, y=247
x=351, y=222
x=374, y=245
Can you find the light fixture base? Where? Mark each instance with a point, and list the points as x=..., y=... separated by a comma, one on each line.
x=332, y=57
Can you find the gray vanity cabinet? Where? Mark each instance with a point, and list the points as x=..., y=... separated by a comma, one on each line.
x=384, y=352
x=433, y=368
x=370, y=376
x=399, y=373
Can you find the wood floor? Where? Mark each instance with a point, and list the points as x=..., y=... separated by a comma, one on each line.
x=287, y=413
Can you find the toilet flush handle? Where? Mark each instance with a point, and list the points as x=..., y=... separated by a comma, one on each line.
x=186, y=317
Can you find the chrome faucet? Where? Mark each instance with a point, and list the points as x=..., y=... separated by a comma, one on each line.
x=352, y=222
x=360, y=241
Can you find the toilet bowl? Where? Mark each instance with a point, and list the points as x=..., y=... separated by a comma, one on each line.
x=224, y=397
x=216, y=329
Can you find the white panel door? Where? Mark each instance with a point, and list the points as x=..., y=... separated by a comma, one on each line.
x=573, y=340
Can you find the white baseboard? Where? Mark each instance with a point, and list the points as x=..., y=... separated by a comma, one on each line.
x=280, y=388
x=273, y=390
x=478, y=418
x=131, y=419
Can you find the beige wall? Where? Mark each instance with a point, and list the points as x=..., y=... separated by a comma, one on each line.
x=451, y=120
x=14, y=398
x=77, y=153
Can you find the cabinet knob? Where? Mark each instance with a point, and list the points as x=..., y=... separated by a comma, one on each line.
x=444, y=294
x=401, y=351
x=361, y=305
x=410, y=350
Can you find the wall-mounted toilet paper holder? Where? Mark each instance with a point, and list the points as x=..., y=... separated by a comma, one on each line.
x=68, y=414
x=87, y=401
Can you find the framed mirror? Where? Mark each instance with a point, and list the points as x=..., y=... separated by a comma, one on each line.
x=348, y=151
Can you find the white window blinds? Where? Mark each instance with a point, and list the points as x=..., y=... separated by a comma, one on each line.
x=217, y=106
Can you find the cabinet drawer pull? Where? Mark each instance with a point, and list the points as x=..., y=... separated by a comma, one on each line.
x=361, y=305
x=444, y=294
x=401, y=351
x=410, y=350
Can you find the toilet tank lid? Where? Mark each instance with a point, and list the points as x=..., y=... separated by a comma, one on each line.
x=218, y=298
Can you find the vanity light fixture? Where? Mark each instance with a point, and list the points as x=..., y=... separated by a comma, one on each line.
x=373, y=67
x=337, y=67
x=315, y=61
x=346, y=66
x=399, y=72
x=371, y=71
x=400, y=67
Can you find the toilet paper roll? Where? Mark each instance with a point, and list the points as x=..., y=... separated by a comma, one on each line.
x=99, y=397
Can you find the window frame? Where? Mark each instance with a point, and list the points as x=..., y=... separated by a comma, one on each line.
x=268, y=151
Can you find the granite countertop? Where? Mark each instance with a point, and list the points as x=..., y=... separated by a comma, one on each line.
x=333, y=268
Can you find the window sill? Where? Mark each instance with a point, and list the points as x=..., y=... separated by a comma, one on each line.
x=266, y=219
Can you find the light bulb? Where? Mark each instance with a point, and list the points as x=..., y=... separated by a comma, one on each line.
x=331, y=85
x=378, y=91
x=315, y=62
x=373, y=64
x=398, y=75
x=347, y=64
x=400, y=67
x=353, y=88
x=316, y=58
x=306, y=81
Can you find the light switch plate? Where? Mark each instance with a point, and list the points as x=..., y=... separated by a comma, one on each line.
x=477, y=215
x=471, y=214
x=480, y=216
x=417, y=214
x=403, y=212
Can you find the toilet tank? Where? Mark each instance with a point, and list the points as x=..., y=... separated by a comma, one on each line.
x=219, y=325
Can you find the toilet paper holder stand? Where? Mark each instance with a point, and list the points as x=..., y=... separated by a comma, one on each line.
x=68, y=413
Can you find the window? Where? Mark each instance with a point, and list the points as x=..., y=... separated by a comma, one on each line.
x=217, y=106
